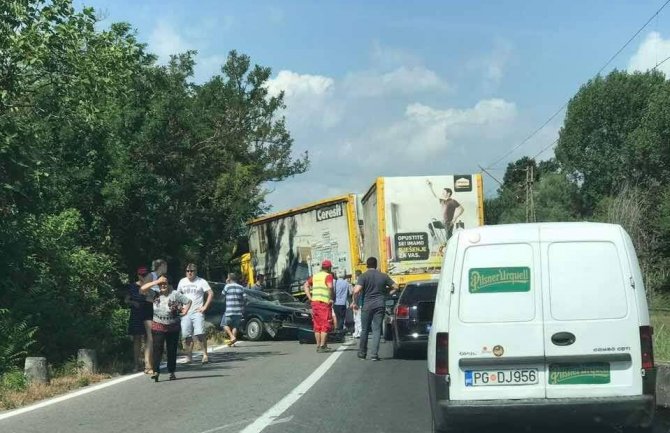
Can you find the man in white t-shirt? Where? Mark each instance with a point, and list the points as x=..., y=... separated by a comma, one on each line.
x=193, y=323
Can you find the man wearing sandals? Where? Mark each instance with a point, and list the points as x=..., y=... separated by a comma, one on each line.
x=235, y=300
x=193, y=323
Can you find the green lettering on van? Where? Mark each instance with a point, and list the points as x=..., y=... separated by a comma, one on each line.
x=593, y=373
x=499, y=280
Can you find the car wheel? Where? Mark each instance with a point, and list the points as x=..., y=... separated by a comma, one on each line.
x=254, y=331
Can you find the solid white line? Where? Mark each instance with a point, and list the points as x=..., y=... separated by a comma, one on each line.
x=68, y=396
x=275, y=411
x=85, y=391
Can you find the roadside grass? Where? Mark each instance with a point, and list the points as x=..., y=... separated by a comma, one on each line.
x=15, y=391
x=660, y=320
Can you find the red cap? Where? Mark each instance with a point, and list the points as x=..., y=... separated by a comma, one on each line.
x=326, y=264
x=142, y=270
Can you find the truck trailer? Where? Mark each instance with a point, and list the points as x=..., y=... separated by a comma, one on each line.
x=288, y=247
x=408, y=221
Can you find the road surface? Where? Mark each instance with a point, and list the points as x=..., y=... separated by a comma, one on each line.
x=274, y=387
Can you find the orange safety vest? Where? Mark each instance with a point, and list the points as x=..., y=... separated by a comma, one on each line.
x=320, y=291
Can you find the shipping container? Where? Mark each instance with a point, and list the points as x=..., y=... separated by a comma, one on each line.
x=288, y=247
x=408, y=220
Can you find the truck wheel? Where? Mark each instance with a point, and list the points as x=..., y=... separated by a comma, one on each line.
x=255, y=329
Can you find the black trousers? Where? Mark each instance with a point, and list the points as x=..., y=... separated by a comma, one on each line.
x=171, y=340
x=340, y=314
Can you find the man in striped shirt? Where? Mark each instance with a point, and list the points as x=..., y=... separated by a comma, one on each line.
x=235, y=300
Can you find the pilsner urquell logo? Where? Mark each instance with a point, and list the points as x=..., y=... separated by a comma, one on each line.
x=595, y=373
x=496, y=280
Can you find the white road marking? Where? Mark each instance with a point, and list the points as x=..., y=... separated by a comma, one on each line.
x=84, y=391
x=282, y=405
x=223, y=427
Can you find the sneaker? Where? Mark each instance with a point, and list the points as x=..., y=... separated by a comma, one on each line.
x=361, y=356
x=205, y=360
x=173, y=377
x=319, y=349
x=374, y=358
x=326, y=349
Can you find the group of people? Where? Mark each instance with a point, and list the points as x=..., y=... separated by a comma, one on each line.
x=159, y=314
x=328, y=296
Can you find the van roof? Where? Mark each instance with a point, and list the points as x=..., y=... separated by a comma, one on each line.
x=534, y=227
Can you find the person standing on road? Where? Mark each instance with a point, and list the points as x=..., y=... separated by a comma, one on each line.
x=356, y=305
x=260, y=283
x=342, y=288
x=319, y=290
x=168, y=306
x=235, y=300
x=193, y=324
x=373, y=285
x=139, y=325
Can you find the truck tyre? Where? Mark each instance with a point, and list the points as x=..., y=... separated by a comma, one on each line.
x=255, y=329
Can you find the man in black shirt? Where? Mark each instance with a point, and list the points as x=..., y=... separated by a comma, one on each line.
x=373, y=285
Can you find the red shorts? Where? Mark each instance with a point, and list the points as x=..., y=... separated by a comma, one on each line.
x=321, y=316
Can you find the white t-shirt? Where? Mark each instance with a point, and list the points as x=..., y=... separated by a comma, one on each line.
x=194, y=290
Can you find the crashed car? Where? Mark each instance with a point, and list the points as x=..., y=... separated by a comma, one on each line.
x=264, y=315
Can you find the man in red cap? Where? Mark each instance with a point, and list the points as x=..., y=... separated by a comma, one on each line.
x=319, y=290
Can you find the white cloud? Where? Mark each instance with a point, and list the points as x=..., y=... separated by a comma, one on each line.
x=296, y=85
x=309, y=98
x=403, y=80
x=492, y=65
x=165, y=41
x=653, y=50
x=425, y=132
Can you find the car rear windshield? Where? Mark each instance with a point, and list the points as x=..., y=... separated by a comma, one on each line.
x=417, y=293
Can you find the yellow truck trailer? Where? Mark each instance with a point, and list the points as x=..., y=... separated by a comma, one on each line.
x=287, y=247
x=408, y=220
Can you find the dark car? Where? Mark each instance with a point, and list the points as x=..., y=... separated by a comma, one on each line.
x=413, y=316
x=263, y=315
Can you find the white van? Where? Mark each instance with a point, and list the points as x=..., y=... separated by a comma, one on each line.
x=541, y=322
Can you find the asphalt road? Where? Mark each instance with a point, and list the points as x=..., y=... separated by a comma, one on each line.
x=252, y=388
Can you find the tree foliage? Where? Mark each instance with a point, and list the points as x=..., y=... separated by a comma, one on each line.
x=612, y=165
x=108, y=160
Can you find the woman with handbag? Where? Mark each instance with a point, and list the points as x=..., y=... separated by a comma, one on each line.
x=169, y=306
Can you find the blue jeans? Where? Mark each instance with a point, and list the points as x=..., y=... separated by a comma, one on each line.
x=371, y=318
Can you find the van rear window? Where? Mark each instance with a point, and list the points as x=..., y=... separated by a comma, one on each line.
x=497, y=284
x=586, y=281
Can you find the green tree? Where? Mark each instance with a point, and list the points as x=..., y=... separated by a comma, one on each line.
x=595, y=144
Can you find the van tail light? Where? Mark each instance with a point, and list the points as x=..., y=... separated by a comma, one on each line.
x=401, y=311
x=647, y=346
x=442, y=353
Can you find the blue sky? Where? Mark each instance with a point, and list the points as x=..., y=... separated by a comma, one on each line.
x=387, y=88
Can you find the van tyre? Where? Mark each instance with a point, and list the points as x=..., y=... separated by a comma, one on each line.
x=255, y=330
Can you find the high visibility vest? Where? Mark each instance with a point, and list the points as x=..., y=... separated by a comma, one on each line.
x=320, y=291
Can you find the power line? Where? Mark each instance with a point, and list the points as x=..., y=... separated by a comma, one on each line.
x=623, y=47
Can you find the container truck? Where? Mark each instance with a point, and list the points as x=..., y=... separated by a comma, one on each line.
x=288, y=247
x=407, y=221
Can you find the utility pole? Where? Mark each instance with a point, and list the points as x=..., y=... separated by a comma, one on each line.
x=530, y=203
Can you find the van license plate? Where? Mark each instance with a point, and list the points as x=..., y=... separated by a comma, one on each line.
x=525, y=376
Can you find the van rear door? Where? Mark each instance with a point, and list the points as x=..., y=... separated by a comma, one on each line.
x=592, y=341
x=495, y=333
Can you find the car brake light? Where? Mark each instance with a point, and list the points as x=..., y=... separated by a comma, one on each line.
x=647, y=347
x=402, y=312
x=442, y=353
